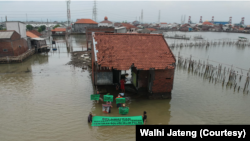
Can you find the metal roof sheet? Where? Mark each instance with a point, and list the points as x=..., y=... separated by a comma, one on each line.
x=6, y=34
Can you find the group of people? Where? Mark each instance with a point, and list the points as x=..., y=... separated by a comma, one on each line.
x=122, y=86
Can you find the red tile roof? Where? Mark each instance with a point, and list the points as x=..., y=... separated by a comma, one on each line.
x=151, y=29
x=207, y=23
x=36, y=33
x=145, y=51
x=86, y=21
x=128, y=26
x=241, y=28
x=59, y=29
x=31, y=35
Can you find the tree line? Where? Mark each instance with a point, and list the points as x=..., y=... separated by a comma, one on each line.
x=41, y=28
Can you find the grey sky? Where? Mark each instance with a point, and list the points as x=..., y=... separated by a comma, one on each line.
x=171, y=11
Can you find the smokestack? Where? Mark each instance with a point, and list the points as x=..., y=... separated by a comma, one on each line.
x=6, y=18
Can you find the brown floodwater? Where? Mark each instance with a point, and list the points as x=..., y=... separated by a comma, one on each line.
x=42, y=98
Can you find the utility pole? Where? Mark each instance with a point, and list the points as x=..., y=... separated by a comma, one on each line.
x=26, y=18
x=6, y=18
x=68, y=28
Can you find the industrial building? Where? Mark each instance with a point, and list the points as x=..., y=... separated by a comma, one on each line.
x=219, y=22
x=148, y=56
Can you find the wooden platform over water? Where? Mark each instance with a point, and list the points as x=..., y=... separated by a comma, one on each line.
x=20, y=58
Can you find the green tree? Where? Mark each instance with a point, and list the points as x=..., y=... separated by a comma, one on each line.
x=29, y=27
x=56, y=26
x=43, y=27
x=39, y=29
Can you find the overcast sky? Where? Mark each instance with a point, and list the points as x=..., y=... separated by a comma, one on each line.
x=171, y=11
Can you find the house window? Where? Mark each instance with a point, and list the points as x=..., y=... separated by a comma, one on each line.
x=5, y=50
x=20, y=46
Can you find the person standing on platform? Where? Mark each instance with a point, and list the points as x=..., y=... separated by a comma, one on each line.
x=122, y=82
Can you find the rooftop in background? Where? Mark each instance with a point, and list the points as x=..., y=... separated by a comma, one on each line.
x=36, y=33
x=207, y=23
x=151, y=29
x=128, y=26
x=59, y=29
x=31, y=35
x=6, y=34
x=163, y=23
x=144, y=51
x=85, y=21
x=106, y=20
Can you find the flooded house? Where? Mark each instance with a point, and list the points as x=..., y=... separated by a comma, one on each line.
x=58, y=32
x=37, y=43
x=11, y=43
x=147, y=57
x=81, y=24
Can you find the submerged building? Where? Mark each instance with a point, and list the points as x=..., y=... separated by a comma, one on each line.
x=148, y=56
x=81, y=24
x=11, y=44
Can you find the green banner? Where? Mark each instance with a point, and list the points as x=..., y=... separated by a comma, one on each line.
x=114, y=121
x=94, y=97
x=120, y=100
x=123, y=110
x=108, y=98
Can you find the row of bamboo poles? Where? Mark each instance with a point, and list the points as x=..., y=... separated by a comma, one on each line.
x=207, y=43
x=217, y=74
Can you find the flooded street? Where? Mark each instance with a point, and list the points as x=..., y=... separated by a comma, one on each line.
x=45, y=99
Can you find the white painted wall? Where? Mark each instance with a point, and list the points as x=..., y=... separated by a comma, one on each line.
x=105, y=24
x=120, y=30
x=163, y=25
x=18, y=27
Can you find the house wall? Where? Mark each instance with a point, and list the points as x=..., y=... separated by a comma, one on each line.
x=105, y=24
x=163, y=25
x=160, y=83
x=81, y=27
x=5, y=44
x=19, y=50
x=12, y=45
x=121, y=30
x=18, y=27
